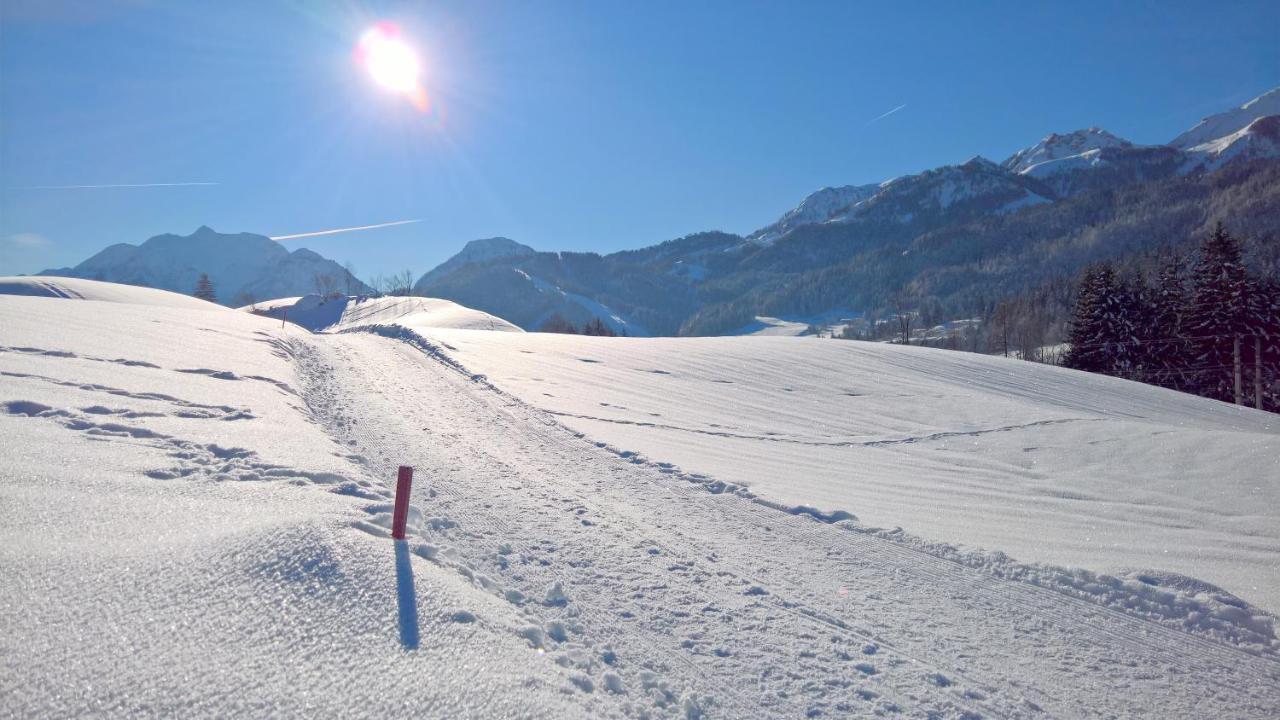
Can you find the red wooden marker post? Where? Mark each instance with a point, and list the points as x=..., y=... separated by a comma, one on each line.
x=403, y=484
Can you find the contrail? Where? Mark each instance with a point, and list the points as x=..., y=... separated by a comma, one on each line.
x=335, y=231
x=881, y=117
x=121, y=185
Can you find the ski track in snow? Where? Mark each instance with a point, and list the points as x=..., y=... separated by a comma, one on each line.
x=670, y=600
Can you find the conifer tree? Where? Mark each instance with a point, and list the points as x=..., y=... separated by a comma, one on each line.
x=204, y=289
x=1087, y=336
x=1217, y=313
x=597, y=327
x=1128, y=320
x=1167, y=350
x=558, y=324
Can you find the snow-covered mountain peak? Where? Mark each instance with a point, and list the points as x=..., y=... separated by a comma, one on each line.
x=475, y=251
x=817, y=207
x=977, y=162
x=241, y=265
x=1231, y=121
x=1057, y=146
x=494, y=247
x=1259, y=139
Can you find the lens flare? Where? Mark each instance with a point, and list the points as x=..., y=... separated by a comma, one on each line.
x=391, y=62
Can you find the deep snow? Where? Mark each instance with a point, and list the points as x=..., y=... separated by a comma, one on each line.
x=196, y=503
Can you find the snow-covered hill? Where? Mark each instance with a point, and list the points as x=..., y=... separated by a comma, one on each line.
x=196, y=508
x=178, y=540
x=336, y=314
x=242, y=266
x=81, y=289
x=1046, y=464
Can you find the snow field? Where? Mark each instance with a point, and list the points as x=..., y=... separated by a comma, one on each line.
x=699, y=602
x=1044, y=464
x=179, y=539
x=197, y=506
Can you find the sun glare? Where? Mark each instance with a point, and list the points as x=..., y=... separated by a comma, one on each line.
x=390, y=61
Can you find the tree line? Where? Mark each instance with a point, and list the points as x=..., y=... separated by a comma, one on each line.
x=1205, y=324
x=557, y=323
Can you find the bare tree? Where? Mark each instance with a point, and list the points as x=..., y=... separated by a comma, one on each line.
x=400, y=284
x=1031, y=337
x=326, y=284
x=244, y=298
x=904, y=327
x=1002, y=327
x=353, y=284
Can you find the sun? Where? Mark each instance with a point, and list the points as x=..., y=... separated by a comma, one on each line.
x=390, y=61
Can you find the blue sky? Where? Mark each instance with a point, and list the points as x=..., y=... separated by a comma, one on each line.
x=588, y=125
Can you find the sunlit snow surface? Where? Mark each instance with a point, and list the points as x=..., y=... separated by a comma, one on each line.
x=335, y=314
x=177, y=534
x=1046, y=464
x=196, y=500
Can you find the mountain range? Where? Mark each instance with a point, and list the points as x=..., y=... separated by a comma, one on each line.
x=951, y=238
x=243, y=267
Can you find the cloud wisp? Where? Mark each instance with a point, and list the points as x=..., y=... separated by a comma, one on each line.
x=335, y=231
x=28, y=240
x=115, y=185
x=885, y=115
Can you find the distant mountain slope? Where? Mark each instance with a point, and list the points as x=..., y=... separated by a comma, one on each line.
x=1259, y=139
x=641, y=293
x=1230, y=121
x=816, y=208
x=948, y=236
x=240, y=265
x=472, y=252
x=1057, y=147
x=956, y=270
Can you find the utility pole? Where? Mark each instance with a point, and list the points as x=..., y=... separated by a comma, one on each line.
x=1239, y=383
x=1257, y=371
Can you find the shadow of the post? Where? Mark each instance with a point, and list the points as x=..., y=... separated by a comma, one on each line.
x=406, y=598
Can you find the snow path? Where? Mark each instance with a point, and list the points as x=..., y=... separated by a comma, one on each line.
x=660, y=597
x=1046, y=464
x=176, y=538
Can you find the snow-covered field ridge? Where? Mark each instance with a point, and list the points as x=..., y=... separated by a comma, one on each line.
x=335, y=314
x=196, y=503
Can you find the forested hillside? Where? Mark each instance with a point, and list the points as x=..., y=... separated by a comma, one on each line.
x=965, y=270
